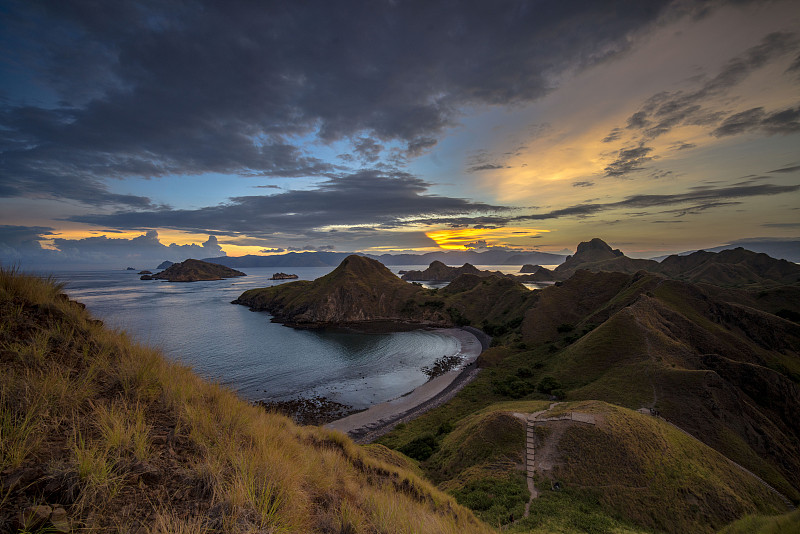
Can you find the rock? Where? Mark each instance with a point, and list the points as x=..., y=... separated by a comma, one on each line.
x=165, y=264
x=439, y=272
x=21, y=477
x=59, y=520
x=145, y=272
x=33, y=517
x=284, y=276
x=146, y=277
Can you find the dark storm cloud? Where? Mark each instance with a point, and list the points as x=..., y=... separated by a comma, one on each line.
x=368, y=150
x=366, y=197
x=629, y=160
x=756, y=119
x=24, y=236
x=669, y=109
x=150, y=88
x=701, y=198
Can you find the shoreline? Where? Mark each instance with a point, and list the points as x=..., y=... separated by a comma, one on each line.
x=368, y=425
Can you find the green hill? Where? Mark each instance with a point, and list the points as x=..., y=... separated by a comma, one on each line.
x=99, y=434
x=626, y=472
x=725, y=372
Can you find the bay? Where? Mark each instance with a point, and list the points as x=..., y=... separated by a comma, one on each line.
x=195, y=324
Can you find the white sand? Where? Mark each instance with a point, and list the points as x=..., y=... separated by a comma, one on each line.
x=379, y=414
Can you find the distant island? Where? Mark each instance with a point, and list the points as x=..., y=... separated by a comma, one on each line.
x=439, y=272
x=194, y=271
x=165, y=264
x=452, y=257
x=284, y=276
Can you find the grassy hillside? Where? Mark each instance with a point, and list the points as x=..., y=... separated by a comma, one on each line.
x=724, y=371
x=111, y=436
x=758, y=524
x=628, y=473
x=721, y=363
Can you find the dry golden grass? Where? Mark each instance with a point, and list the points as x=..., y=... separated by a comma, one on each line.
x=123, y=438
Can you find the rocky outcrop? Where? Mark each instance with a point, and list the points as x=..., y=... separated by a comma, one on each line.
x=541, y=274
x=284, y=276
x=528, y=268
x=596, y=255
x=165, y=264
x=439, y=272
x=194, y=271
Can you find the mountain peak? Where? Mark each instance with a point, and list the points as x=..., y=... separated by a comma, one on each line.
x=598, y=249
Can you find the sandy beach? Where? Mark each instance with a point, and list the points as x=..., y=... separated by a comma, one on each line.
x=380, y=418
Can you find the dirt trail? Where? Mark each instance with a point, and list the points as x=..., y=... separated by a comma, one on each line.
x=546, y=453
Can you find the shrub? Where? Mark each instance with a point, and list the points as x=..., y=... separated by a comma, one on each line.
x=524, y=372
x=564, y=328
x=547, y=384
x=513, y=387
x=457, y=317
x=420, y=448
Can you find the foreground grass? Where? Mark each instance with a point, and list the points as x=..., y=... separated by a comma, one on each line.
x=115, y=438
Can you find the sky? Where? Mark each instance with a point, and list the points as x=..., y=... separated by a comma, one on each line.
x=164, y=130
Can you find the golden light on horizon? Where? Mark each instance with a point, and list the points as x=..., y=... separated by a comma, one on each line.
x=458, y=238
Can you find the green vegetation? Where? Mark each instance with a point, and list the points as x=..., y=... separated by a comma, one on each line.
x=636, y=341
x=121, y=438
x=759, y=524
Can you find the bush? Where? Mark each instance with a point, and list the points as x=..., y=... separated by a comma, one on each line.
x=445, y=428
x=457, y=317
x=495, y=329
x=524, y=372
x=547, y=384
x=564, y=328
x=420, y=448
x=514, y=323
x=513, y=387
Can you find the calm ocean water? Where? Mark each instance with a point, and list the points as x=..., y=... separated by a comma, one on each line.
x=195, y=324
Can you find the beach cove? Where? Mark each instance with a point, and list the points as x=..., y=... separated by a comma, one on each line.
x=195, y=324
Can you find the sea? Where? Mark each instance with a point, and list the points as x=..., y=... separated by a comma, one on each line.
x=196, y=324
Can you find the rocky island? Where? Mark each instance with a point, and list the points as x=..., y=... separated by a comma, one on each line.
x=284, y=276
x=439, y=272
x=194, y=271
